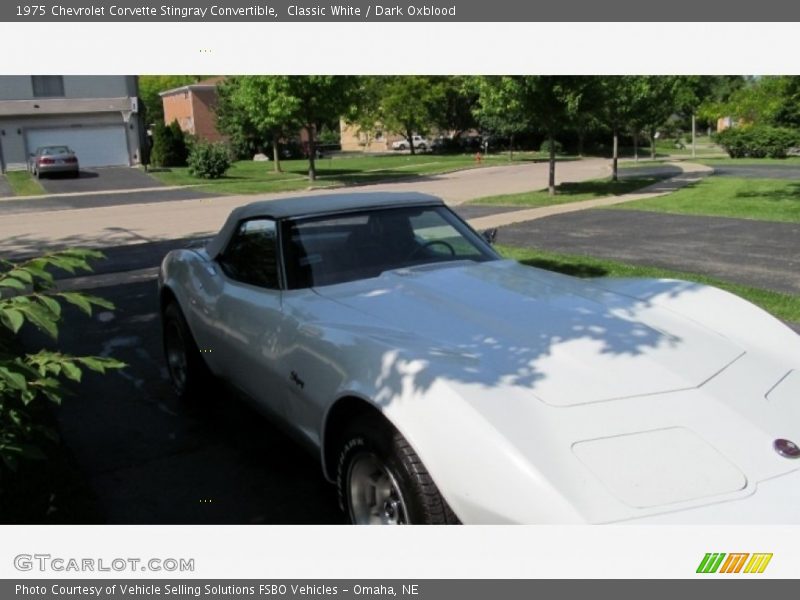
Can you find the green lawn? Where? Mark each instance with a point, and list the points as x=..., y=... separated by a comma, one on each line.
x=571, y=192
x=783, y=306
x=761, y=199
x=22, y=184
x=249, y=177
x=791, y=161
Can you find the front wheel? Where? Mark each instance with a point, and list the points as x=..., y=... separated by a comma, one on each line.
x=188, y=372
x=382, y=481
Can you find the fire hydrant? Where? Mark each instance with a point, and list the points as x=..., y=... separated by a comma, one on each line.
x=478, y=157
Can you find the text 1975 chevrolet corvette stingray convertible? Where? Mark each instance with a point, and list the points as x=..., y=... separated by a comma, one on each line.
x=439, y=383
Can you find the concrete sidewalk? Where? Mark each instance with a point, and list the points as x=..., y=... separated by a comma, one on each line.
x=691, y=173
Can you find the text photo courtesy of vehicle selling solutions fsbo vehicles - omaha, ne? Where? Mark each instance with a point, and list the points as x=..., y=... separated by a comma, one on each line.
x=399, y=299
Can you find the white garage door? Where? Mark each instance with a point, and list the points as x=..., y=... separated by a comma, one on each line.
x=94, y=146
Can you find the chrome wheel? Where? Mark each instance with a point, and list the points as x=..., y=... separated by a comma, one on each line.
x=177, y=361
x=375, y=497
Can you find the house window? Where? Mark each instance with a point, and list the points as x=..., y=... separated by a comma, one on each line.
x=47, y=86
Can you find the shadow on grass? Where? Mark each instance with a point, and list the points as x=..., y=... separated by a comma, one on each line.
x=789, y=192
x=605, y=187
x=566, y=267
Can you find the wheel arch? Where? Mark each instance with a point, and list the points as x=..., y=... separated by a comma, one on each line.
x=165, y=297
x=342, y=411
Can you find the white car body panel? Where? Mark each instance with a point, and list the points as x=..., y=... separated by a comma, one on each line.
x=530, y=396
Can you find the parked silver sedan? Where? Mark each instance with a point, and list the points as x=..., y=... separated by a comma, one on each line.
x=53, y=159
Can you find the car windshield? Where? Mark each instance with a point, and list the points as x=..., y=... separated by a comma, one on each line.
x=338, y=248
x=51, y=150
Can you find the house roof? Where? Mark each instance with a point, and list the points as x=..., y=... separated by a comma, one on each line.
x=204, y=84
x=304, y=206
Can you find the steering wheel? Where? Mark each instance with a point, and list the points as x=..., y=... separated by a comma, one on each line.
x=427, y=245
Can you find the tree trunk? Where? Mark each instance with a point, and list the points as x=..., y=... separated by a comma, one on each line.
x=636, y=146
x=511, y=147
x=653, y=144
x=694, y=135
x=276, y=154
x=410, y=138
x=615, y=158
x=312, y=154
x=551, y=179
x=581, y=140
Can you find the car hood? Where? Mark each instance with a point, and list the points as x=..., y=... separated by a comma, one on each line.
x=568, y=341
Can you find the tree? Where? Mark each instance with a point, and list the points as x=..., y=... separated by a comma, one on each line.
x=276, y=106
x=256, y=109
x=517, y=103
x=169, y=146
x=622, y=97
x=410, y=104
x=499, y=108
x=455, y=112
x=658, y=101
x=364, y=112
x=772, y=101
x=318, y=99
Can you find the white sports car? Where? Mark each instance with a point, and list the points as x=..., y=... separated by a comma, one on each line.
x=439, y=383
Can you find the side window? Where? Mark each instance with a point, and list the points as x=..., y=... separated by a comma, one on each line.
x=252, y=254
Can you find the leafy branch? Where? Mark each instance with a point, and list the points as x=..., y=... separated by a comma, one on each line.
x=28, y=294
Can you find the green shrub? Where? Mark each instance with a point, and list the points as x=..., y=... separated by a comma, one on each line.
x=758, y=141
x=169, y=146
x=28, y=295
x=209, y=161
x=545, y=147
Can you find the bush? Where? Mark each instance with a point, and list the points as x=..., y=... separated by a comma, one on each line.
x=545, y=147
x=209, y=161
x=169, y=146
x=758, y=141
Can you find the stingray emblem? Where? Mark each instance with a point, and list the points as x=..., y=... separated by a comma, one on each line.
x=786, y=448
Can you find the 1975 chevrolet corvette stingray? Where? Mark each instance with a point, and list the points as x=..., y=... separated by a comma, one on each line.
x=439, y=383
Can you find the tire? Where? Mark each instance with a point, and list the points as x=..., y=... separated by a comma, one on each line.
x=382, y=481
x=188, y=372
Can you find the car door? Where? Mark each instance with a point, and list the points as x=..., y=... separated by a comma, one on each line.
x=250, y=314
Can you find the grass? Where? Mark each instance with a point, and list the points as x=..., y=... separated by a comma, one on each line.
x=760, y=199
x=783, y=306
x=571, y=192
x=790, y=161
x=22, y=184
x=249, y=177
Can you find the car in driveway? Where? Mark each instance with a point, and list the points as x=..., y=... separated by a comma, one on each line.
x=48, y=160
x=440, y=383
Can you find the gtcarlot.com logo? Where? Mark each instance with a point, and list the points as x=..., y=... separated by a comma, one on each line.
x=734, y=562
x=48, y=563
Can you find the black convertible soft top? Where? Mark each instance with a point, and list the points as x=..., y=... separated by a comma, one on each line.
x=302, y=206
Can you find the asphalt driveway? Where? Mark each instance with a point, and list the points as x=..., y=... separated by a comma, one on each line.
x=99, y=180
x=757, y=253
x=139, y=456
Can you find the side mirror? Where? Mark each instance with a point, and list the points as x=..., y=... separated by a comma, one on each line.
x=490, y=235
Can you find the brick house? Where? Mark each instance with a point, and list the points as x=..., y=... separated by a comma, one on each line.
x=193, y=106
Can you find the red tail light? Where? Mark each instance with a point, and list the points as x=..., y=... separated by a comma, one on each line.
x=45, y=161
x=70, y=159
